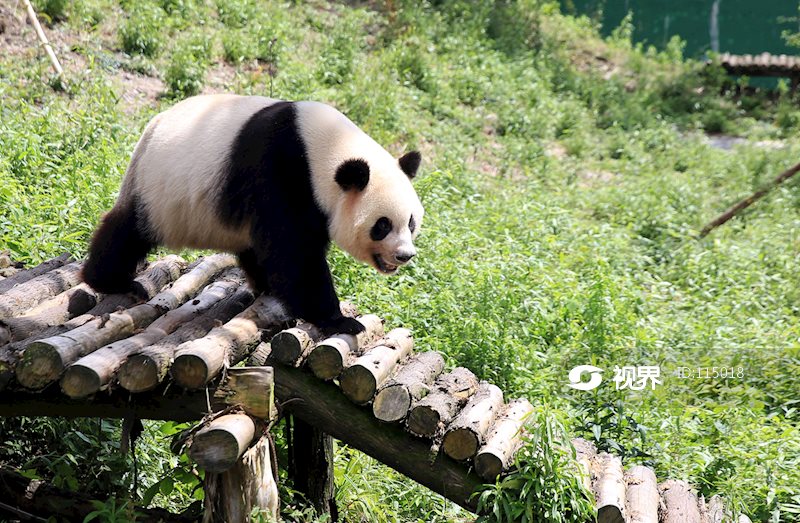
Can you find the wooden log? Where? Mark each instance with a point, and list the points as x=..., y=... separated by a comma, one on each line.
x=467, y=432
x=94, y=371
x=37, y=500
x=251, y=388
x=218, y=446
x=198, y=361
x=291, y=346
x=641, y=495
x=54, y=311
x=155, y=277
x=451, y=391
x=310, y=453
x=715, y=510
x=585, y=451
x=361, y=380
x=29, y=274
x=24, y=296
x=322, y=404
x=233, y=495
x=678, y=503
x=330, y=356
x=147, y=368
x=44, y=360
x=503, y=440
x=747, y=202
x=609, y=488
x=411, y=383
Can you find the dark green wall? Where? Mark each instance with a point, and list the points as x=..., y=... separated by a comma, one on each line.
x=745, y=26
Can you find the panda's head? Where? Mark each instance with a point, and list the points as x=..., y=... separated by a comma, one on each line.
x=378, y=214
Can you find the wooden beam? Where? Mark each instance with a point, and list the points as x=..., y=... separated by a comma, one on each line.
x=324, y=405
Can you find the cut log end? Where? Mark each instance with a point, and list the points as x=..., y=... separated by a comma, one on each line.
x=461, y=444
x=40, y=365
x=190, y=371
x=358, y=384
x=326, y=360
x=80, y=381
x=217, y=447
x=423, y=421
x=392, y=403
x=489, y=465
x=290, y=345
x=139, y=373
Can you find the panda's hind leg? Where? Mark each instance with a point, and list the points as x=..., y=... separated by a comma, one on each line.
x=118, y=246
x=256, y=276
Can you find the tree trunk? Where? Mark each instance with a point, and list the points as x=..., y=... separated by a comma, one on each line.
x=29, y=274
x=641, y=495
x=609, y=489
x=678, y=503
x=26, y=295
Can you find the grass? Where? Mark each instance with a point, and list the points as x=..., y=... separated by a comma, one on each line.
x=564, y=179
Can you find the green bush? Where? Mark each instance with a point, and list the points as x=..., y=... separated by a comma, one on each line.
x=143, y=31
x=186, y=72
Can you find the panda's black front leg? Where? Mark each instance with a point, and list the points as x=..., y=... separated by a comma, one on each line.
x=297, y=273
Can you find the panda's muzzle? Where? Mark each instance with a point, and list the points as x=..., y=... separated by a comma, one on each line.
x=383, y=266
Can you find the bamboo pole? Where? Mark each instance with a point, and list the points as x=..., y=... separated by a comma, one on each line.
x=430, y=416
x=330, y=356
x=43, y=38
x=467, y=432
x=361, y=380
x=411, y=383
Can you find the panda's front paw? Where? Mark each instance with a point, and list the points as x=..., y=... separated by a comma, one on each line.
x=341, y=325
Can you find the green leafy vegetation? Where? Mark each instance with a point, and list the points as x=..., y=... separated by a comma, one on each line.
x=565, y=178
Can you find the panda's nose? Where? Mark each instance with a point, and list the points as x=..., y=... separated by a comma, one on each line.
x=403, y=257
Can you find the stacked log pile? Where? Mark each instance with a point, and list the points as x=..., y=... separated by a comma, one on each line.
x=763, y=64
x=180, y=337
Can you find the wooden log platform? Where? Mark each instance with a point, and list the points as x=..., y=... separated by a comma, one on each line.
x=440, y=428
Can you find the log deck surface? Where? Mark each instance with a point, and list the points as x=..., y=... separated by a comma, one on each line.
x=763, y=64
x=378, y=419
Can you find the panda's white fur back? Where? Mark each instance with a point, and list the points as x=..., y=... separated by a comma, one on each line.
x=176, y=177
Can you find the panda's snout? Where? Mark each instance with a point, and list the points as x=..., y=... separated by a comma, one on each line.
x=404, y=256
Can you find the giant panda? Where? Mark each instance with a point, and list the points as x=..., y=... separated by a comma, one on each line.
x=272, y=181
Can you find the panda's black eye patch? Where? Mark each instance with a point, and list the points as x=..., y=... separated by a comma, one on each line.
x=412, y=224
x=381, y=229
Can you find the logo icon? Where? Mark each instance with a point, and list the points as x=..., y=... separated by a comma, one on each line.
x=594, y=379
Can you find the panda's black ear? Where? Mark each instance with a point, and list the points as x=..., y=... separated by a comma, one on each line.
x=353, y=175
x=409, y=163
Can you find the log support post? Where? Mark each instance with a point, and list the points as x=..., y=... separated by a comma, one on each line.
x=311, y=467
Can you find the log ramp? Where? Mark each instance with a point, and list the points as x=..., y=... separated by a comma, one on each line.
x=172, y=350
